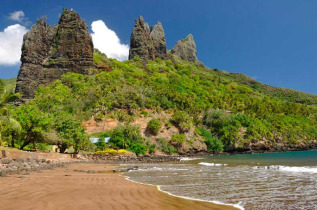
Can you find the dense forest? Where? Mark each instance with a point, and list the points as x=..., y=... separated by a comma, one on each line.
x=225, y=112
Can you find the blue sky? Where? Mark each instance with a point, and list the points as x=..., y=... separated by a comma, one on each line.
x=273, y=41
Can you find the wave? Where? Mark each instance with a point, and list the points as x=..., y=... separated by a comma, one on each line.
x=297, y=169
x=212, y=164
x=238, y=205
x=162, y=169
x=188, y=158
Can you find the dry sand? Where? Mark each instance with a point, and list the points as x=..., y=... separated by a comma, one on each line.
x=64, y=188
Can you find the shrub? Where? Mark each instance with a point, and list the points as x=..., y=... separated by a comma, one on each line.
x=152, y=148
x=216, y=118
x=166, y=148
x=154, y=126
x=214, y=144
x=138, y=148
x=178, y=139
x=145, y=113
x=111, y=151
x=182, y=120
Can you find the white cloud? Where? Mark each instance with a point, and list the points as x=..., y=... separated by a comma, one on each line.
x=10, y=44
x=108, y=42
x=17, y=16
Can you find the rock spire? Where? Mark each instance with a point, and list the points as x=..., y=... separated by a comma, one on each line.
x=50, y=51
x=145, y=43
x=186, y=49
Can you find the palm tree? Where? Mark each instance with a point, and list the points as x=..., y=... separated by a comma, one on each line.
x=5, y=117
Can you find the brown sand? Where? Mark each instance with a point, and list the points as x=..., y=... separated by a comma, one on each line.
x=64, y=188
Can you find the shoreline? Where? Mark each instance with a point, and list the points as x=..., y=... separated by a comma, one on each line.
x=88, y=186
x=236, y=206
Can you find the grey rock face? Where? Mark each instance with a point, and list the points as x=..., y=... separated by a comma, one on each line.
x=141, y=43
x=35, y=48
x=159, y=42
x=50, y=51
x=145, y=43
x=186, y=49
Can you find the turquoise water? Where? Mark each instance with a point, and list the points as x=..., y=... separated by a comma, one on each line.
x=254, y=181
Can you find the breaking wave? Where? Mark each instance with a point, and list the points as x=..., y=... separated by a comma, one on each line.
x=211, y=164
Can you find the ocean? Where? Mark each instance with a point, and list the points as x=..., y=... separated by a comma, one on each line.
x=285, y=180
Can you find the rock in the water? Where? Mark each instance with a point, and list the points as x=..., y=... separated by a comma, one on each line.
x=141, y=43
x=50, y=51
x=159, y=42
x=186, y=49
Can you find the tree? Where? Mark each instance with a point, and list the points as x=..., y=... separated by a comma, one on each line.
x=34, y=124
x=70, y=131
x=5, y=116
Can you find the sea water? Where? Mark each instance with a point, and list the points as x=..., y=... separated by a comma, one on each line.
x=250, y=181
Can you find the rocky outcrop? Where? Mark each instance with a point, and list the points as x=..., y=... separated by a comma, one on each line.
x=141, y=43
x=35, y=48
x=50, y=51
x=145, y=43
x=186, y=49
x=159, y=42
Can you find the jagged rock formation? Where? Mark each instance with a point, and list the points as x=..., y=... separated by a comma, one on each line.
x=50, y=51
x=159, y=42
x=141, y=43
x=186, y=49
x=35, y=48
x=145, y=43
x=150, y=44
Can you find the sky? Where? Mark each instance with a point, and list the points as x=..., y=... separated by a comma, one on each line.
x=272, y=41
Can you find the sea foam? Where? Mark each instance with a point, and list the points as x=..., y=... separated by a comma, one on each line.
x=297, y=169
x=238, y=205
x=211, y=164
x=188, y=158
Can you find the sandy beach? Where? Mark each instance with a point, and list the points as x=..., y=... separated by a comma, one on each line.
x=64, y=188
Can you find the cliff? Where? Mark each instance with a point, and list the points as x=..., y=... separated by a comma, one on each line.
x=145, y=43
x=50, y=51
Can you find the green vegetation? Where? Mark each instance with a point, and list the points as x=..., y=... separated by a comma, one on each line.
x=8, y=124
x=214, y=144
x=276, y=92
x=182, y=120
x=154, y=126
x=126, y=136
x=165, y=147
x=229, y=111
x=9, y=84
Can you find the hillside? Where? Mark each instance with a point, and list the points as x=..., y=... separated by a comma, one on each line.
x=158, y=101
x=191, y=109
x=278, y=92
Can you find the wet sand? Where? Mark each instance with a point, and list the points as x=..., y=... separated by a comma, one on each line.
x=64, y=188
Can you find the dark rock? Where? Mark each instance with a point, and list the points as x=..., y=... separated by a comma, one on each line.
x=19, y=160
x=3, y=173
x=90, y=172
x=68, y=175
x=50, y=51
x=6, y=161
x=158, y=37
x=186, y=49
x=21, y=177
x=35, y=48
x=141, y=43
x=25, y=174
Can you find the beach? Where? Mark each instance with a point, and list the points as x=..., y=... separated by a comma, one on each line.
x=87, y=186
